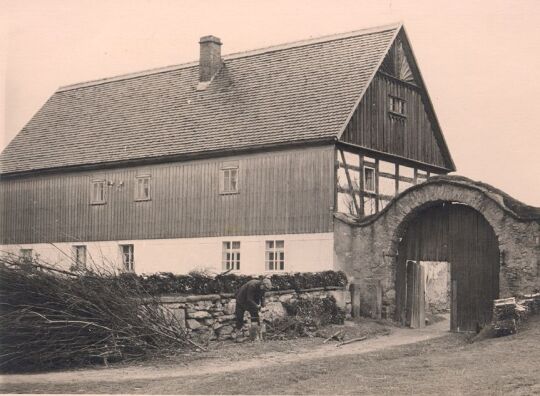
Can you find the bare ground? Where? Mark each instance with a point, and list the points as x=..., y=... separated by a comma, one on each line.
x=407, y=361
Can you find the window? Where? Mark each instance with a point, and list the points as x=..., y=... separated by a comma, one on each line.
x=396, y=105
x=142, y=188
x=79, y=256
x=369, y=179
x=98, y=192
x=26, y=254
x=275, y=256
x=228, y=182
x=231, y=256
x=128, y=259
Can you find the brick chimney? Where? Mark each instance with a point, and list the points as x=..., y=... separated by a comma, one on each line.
x=210, y=58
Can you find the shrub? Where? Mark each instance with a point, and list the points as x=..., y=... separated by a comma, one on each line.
x=305, y=317
x=203, y=283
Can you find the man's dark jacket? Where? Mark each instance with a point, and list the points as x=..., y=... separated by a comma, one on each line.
x=250, y=295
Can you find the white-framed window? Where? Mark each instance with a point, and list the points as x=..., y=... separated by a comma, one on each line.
x=275, y=256
x=396, y=105
x=231, y=255
x=26, y=254
x=142, y=188
x=98, y=192
x=79, y=256
x=128, y=257
x=369, y=179
x=228, y=180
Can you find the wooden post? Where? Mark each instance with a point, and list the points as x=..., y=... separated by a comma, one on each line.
x=377, y=301
x=453, y=313
x=355, y=300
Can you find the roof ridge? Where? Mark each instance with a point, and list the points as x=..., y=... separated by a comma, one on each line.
x=235, y=55
x=314, y=40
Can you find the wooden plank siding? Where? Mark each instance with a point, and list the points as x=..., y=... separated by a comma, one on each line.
x=289, y=191
x=412, y=136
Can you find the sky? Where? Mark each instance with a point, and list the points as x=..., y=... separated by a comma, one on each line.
x=479, y=59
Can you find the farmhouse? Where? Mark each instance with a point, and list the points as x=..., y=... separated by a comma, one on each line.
x=314, y=155
x=226, y=163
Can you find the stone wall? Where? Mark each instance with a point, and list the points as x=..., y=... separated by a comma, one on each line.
x=366, y=249
x=211, y=317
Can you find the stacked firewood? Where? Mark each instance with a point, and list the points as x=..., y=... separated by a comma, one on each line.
x=505, y=316
x=52, y=319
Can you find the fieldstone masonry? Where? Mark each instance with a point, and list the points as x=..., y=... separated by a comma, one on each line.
x=211, y=317
x=366, y=249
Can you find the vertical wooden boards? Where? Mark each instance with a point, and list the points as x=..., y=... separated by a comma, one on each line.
x=460, y=235
x=411, y=136
x=289, y=191
x=415, y=289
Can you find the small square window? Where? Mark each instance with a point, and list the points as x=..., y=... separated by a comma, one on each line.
x=79, y=256
x=275, y=256
x=98, y=192
x=369, y=179
x=228, y=181
x=231, y=256
x=396, y=105
x=142, y=188
x=128, y=257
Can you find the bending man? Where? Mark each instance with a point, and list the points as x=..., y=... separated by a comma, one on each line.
x=250, y=297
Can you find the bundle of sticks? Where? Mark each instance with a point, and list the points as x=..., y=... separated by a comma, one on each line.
x=51, y=318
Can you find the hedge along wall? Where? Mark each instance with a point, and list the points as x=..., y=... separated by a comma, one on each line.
x=211, y=317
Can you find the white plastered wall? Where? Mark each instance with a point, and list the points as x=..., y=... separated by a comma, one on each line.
x=303, y=253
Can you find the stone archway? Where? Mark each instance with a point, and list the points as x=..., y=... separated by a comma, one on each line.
x=367, y=249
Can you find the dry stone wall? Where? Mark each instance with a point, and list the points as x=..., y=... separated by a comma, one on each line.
x=211, y=317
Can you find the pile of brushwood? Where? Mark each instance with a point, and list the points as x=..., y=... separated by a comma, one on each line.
x=305, y=318
x=56, y=319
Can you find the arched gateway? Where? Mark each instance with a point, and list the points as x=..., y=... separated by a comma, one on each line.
x=449, y=243
x=449, y=253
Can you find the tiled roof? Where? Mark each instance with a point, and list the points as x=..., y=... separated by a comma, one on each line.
x=299, y=92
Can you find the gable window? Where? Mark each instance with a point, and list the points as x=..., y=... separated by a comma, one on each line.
x=369, y=179
x=228, y=181
x=142, y=188
x=128, y=258
x=79, y=256
x=396, y=105
x=275, y=256
x=26, y=254
x=98, y=192
x=231, y=256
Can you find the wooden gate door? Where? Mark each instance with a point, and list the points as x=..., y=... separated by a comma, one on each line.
x=416, y=291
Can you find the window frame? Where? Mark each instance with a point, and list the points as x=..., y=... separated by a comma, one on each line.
x=227, y=190
x=138, y=197
x=128, y=265
x=102, y=201
x=76, y=262
x=278, y=254
x=230, y=258
x=365, y=179
x=392, y=101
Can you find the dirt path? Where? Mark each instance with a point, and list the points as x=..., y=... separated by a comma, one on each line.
x=400, y=336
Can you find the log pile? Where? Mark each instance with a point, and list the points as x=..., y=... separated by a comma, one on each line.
x=56, y=319
x=504, y=316
x=508, y=313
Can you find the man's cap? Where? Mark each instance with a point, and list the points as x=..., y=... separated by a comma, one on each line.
x=267, y=283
